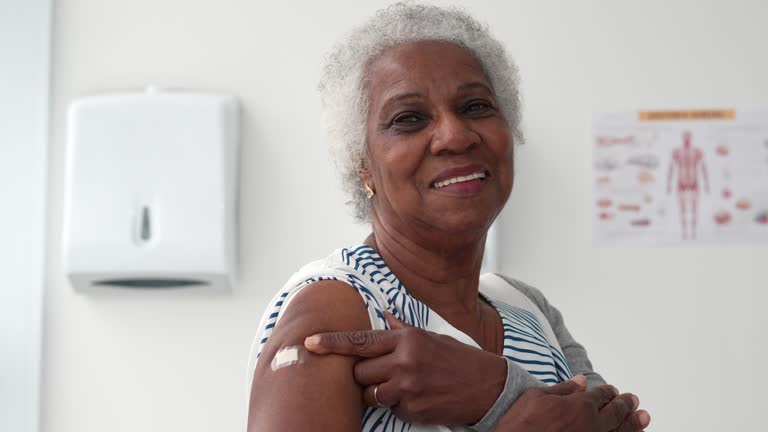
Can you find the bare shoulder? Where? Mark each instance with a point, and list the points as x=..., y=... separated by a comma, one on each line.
x=319, y=393
x=322, y=306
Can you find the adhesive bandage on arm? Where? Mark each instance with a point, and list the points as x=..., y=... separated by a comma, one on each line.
x=289, y=356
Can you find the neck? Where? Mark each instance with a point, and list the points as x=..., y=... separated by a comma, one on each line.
x=443, y=272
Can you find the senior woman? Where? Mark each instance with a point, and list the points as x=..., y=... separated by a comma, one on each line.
x=423, y=112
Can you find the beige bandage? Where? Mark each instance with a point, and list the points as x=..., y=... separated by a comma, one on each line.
x=289, y=356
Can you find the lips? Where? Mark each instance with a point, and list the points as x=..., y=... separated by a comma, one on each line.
x=459, y=175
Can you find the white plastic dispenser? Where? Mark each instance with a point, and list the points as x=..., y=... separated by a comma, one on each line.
x=151, y=190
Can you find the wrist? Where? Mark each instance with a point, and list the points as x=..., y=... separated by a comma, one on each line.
x=489, y=389
x=518, y=380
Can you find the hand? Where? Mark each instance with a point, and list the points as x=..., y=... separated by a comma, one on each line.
x=424, y=377
x=568, y=407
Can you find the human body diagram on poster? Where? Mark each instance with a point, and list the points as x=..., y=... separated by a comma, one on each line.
x=680, y=176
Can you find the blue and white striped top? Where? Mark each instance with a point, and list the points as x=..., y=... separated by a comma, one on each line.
x=528, y=338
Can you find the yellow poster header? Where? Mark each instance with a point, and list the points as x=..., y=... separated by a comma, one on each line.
x=728, y=114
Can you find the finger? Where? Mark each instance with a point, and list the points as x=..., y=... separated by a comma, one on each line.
x=374, y=370
x=600, y=396
x=564, y=388
x=393, y=322
x=386, y=395
x=617, y=410
x=363, y=343
x=636, y=422
x=581, y=380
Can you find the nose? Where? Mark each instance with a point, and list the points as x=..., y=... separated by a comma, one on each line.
x=452, y=135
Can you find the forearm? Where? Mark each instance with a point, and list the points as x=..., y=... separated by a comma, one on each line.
x=575, y=353
x=518, y=380
x=577, y=359
x=481, y=400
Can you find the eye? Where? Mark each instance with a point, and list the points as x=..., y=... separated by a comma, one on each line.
x=406, y=119
x=409, y=121
x=477, y=107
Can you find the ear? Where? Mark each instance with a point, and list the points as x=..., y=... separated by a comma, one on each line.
x=364, y=174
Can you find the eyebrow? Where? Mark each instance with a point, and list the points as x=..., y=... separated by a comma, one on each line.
x=416, y=95
x=401, y=97
x=475, y=85
x=385, y=107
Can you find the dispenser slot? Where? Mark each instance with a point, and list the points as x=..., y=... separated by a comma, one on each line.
x=150, y=282
x=146, y=225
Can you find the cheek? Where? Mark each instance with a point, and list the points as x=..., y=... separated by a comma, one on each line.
x=503, y=149
x=511, y=159
x=398, y=160
x=508, y=172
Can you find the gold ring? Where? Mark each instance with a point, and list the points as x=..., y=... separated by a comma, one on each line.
x=376, y=397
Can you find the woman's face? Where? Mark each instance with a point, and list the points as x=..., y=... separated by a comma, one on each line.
x=439, y=147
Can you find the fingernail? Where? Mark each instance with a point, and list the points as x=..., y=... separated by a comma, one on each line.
x=615, y=391
x=312, y=341
x=635, y=402
x=645, y=419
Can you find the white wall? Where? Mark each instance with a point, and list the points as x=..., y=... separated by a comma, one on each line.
x=24, y=66
x=680, y=326
x=677, y=325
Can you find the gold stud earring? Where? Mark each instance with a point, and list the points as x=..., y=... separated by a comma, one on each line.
x=369, y=191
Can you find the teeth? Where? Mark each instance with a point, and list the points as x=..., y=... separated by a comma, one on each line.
x=478, y=175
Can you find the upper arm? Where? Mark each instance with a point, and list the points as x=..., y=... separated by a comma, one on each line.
x=320, y=393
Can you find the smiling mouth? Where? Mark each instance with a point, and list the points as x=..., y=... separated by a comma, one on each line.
x=481, y=175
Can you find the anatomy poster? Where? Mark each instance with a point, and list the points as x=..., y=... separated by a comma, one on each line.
x=666, y=177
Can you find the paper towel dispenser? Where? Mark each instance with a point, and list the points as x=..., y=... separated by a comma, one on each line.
x=151, y=190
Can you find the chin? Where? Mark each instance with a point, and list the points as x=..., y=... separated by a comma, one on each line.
x=470, y=222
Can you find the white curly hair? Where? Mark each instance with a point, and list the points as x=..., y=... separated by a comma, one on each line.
x=345, y=78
